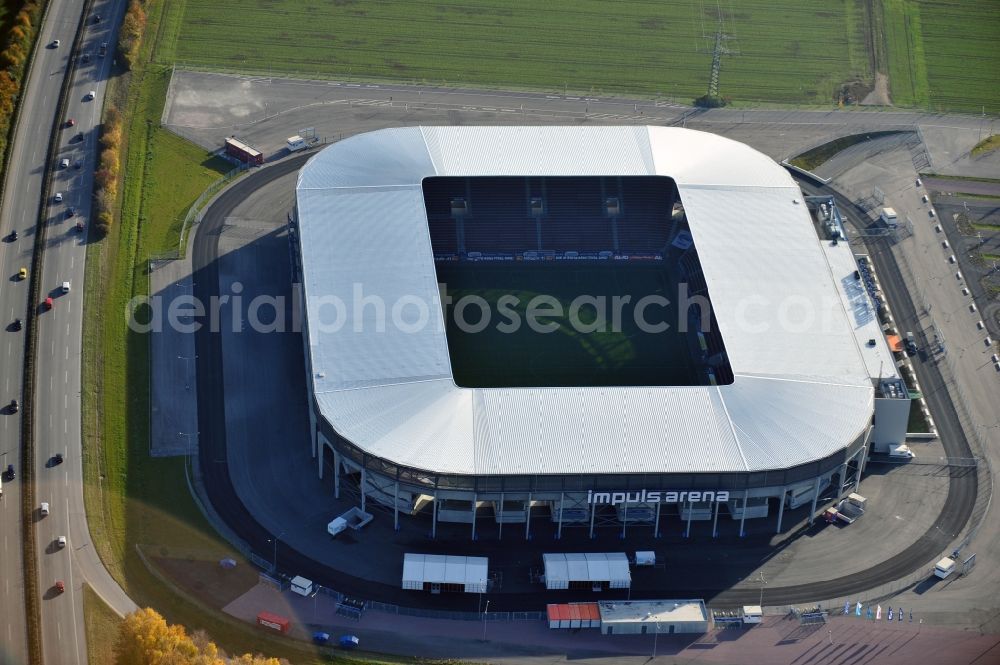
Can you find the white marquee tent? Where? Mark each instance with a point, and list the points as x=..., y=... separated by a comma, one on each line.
x=439, y=572
x=591, y=568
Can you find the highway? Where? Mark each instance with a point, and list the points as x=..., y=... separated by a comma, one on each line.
x=24, y=178
x=57, y=412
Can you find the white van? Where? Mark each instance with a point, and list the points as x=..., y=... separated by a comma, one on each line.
x=44, y=509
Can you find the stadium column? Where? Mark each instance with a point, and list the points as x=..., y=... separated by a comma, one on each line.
x=562, y=498
x=364, y=481
x=687, y=531
x=743, y=516
x=656, y=522
x=500, y=519
x=336, y=474
x=812, y=514
x=475, y=500
x=434, y=516
x=781, y=508
x=715, y=521
x=314, y=429
x=320, y=461
x=592, y=511
x=624, y=519
x=395, y=507
x=527, y=521
x=842, y=477
x=861, y=466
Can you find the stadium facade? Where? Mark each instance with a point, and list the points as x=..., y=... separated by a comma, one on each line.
x=810, y=368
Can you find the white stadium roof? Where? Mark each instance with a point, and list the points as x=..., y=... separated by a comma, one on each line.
x=801, y=391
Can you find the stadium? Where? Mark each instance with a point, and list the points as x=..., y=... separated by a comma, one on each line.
x=587, y=326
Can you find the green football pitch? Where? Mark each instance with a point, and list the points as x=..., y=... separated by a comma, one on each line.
x=590, y=347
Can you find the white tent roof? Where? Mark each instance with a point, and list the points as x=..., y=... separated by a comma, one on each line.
x=801, y=389
x=469, y=571
x=585, y=567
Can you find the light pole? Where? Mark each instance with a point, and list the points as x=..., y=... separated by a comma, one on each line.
x=274, y=565
x=656, y=636
x=485, y=612
x=762, y=582
x=187, y=371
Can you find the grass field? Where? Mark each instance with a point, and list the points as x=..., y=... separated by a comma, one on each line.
x=102, y=628
x=962, y=54
x=788, y=51
x=595, y=353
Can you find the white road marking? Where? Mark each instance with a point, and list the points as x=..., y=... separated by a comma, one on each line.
x=66, y=357
x=76, y=620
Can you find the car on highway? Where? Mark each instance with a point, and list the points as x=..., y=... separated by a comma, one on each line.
x=58, y=197
x=44, y=510
x=64, y=163
x=77, y=138
x=60, y=586
x=13, y=235
x=85, y=58
x=22, y=273
x=70, y=122
x=11, y=474
x=90, y=95
x=16, y=325
x=97, y=18
x=66, y=287
x=49, y=303
x=56, y=43
x=78, y=164
x=70, y=211
x=61, y=542
x=79, y=226
x=103, y=50
x=57, y=459
x=14, y=407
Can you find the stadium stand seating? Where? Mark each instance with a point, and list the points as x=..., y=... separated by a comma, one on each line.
x=575, y=218
x=645, y=222
x=497, y=220
x=499, y=217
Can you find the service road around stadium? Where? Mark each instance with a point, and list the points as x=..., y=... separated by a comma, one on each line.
x=950, y=526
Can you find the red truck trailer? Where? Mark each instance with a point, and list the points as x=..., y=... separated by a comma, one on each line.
x=273, y=622
x=243, y=151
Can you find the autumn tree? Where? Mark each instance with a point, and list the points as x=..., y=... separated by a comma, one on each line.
x=145, y=638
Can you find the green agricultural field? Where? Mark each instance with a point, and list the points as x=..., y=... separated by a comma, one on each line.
x=961, y=48
x=782, y=50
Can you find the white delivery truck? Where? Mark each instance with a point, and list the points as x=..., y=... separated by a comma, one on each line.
x=295, y=143
x=888, y=217
x=752, y=614
x=944, y=567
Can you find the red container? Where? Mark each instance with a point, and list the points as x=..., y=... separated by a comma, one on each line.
x=273, y=622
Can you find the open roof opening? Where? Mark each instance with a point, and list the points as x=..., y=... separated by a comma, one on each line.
x=571, y=281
